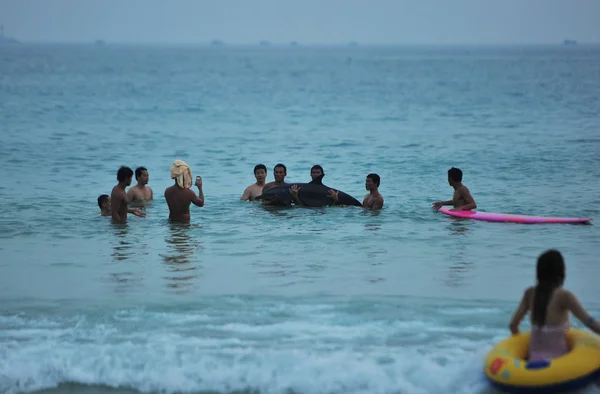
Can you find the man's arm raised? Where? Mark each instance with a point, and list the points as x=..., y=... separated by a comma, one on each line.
x=197, y=200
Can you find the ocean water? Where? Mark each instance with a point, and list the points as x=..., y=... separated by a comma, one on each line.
x=252, y=300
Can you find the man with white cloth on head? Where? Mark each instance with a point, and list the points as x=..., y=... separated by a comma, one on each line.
x=179, y=196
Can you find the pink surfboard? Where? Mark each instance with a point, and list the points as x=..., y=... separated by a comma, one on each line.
x=507, y=217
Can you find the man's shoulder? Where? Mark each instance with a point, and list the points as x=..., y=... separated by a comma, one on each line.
x=146, y=192
x=183, y=191
x=529, y=292
x=116, y=191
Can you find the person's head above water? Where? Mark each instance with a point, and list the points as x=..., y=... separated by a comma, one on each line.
x=260, y=167
x=454, y=176
x=372, y=181
x=260, y=172
x=104, y=202
x=550, y=272
x=279, y=172
x=317, y=172
x=141, y=175
x=125, y=174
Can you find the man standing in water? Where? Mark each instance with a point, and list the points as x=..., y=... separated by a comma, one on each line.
x=462, y=199
x=255, y=189
x=372, y=201
x=118, y=197
x=279, y=173
x=141, y=191
x=179, y=196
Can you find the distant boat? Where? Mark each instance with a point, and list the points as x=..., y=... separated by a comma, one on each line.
x=569, y=42
x=217, y=43
x=294, y=44
x=4, y=39
x=265, y=43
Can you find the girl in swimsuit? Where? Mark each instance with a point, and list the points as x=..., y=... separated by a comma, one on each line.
x=550, y=305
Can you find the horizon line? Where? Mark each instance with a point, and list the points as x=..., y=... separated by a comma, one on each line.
x=292, y=43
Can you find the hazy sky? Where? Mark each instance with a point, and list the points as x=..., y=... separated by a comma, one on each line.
x=305, y=21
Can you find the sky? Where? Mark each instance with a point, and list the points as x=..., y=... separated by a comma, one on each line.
x=431, y=22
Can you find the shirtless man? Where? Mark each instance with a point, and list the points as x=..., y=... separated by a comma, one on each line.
x=118, y=197
x=279, y=173
x=462, y=199
x=140, y=191
x=372, y=201
x=104, y=204
x=179, y=200
x=255, y=189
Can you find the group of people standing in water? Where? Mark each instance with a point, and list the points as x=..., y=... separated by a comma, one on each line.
x=179, y=197
x=548, y=303
x=373, y=200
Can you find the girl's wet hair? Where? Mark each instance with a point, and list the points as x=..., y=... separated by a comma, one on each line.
x=550, y=275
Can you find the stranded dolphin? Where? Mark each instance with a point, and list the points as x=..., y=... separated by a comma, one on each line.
x=313, y=194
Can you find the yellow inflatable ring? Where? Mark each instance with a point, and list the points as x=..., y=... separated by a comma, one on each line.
x=506, y=366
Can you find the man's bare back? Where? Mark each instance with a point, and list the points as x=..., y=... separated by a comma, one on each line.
x=179, y=200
